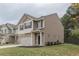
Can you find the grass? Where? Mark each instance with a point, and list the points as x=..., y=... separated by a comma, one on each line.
x=55, y=50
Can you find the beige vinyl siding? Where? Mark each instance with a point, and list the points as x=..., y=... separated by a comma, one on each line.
x=53, y=29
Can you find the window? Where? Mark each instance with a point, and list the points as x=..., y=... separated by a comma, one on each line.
x=40, y=24
x=2, y=31
x=21, y=27
x=14, y=30
x=28, y=25
x=5, y=30
x=25, y=26
x=10, y=31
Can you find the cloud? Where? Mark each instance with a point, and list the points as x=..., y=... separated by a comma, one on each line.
x=13, y=12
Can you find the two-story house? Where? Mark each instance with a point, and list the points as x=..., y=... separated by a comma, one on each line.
x=40, y=31
x=7, y=33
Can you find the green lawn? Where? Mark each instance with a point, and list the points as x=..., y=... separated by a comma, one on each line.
x=55, y=50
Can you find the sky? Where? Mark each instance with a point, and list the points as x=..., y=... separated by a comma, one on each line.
x=11, y=13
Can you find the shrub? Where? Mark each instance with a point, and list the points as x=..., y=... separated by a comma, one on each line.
x=75, y=34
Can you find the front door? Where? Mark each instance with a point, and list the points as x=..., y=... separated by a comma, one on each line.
x=37, y=40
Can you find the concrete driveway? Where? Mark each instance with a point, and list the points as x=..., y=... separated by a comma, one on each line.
x=9, y=46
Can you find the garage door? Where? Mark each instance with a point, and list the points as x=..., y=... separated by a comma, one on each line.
x=26, y=40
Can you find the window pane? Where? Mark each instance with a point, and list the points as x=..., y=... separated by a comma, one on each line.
x=28, y=25
x=21, y=27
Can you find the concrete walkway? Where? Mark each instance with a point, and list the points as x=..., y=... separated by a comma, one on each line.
x=9, y=46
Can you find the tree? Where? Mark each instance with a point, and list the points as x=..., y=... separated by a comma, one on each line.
x=71, y=21
x=67, y=25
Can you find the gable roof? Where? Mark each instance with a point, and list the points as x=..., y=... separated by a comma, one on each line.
x=25, y=17
x=8, y=25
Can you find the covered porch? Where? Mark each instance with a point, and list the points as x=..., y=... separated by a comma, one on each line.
x=38, y=38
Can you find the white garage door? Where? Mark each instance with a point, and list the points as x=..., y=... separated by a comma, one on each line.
x=26, y=40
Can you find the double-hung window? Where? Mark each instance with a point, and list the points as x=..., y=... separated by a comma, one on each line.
x=21, y=27
x=28, y=25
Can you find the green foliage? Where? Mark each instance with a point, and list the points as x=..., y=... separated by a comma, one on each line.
x=71, y=22
x=75, y=34
x=66, y=21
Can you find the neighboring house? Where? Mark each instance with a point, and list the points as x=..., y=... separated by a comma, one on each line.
x=40, y=31
x=7, y=33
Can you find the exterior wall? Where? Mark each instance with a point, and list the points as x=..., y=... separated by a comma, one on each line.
x=8, y=30
x=3, y=29
x=33, y=39
x=25, y=31
x=28, y=30
x=3, y=40
x=6, y=34
x=12, y=39
x=53, y=29
x=25, y=39
x=25, y=36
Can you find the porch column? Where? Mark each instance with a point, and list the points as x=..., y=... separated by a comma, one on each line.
x=32, y=39
x=15, y=39
x=32, y=24
x=41, y=39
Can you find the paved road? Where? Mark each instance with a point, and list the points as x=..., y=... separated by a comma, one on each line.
x=8, y=46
